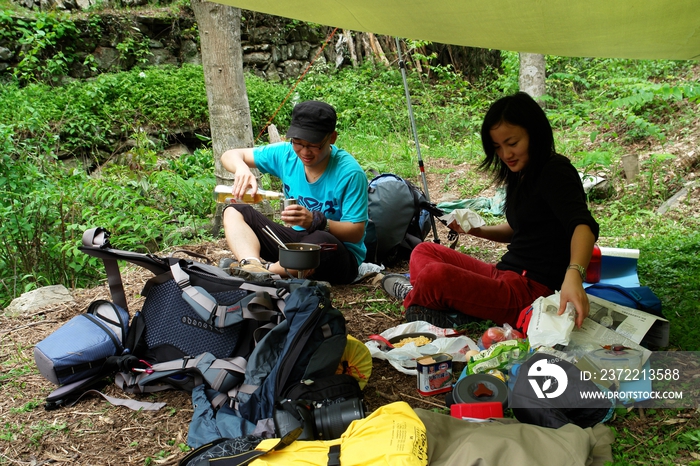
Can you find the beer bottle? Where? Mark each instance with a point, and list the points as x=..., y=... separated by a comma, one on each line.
x=222, y=193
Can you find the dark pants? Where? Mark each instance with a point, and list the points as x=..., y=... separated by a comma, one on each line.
x=444, y=279
x=338, y=267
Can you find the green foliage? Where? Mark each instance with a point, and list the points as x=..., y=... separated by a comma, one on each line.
x=592, y=161
x=631, y=99
x=658, y=443
x=30, y=406
x=10, y=432
x=46, y=207
x=43, y=429
x=43, y=58
x=49, y=43
x=694, y=438
x=134, y=48
x=82, y=117
x=264, y=100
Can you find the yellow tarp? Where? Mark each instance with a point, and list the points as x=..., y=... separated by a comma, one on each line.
x=648, y=29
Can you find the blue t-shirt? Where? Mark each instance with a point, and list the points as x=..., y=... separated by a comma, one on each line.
x=340, y=193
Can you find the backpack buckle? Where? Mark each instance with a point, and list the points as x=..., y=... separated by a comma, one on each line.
x=185, y=360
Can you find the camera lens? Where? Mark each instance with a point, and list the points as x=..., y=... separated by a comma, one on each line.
x=331, y=421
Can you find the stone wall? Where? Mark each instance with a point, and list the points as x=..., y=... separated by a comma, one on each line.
x=274, y=48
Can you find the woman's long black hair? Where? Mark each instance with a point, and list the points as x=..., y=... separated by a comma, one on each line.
x=518, y=109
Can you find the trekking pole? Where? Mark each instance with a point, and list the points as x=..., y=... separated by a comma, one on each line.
x=402, y=66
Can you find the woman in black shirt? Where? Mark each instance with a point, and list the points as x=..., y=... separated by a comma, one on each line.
x=548, y=226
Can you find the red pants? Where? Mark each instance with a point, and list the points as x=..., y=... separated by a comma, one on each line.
x=444, y=279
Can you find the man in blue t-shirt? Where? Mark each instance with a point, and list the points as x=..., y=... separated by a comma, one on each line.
x=331, y=192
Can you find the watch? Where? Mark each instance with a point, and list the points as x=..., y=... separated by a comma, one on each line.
x=581, y=270
x=327, y=227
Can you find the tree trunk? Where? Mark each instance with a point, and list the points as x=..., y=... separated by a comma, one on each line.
x=532, y=76
x=272, y=134
x=351, y=47
x=222, y=61
x=377, y=49
x=369, y=54
x=358, y=48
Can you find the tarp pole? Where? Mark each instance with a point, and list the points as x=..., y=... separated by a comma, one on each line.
x=402, y=67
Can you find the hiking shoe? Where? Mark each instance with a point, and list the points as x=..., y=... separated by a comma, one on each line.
x=252, y=270
x=442, y=319
x=228, y=263
x=397, y=285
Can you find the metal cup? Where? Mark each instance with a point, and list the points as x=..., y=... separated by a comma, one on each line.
x=287, y=203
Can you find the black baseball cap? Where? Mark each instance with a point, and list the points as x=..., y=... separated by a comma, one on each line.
x=312, y=121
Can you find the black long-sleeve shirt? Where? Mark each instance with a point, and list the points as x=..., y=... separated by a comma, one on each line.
x=543, y=215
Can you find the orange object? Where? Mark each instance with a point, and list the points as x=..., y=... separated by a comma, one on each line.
x=496, y=334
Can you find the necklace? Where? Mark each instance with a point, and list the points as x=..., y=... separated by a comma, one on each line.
x=312, y=177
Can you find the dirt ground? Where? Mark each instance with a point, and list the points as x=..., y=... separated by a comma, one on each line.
x=93, y=432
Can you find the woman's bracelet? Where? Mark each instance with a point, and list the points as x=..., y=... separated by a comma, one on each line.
x=581, y=270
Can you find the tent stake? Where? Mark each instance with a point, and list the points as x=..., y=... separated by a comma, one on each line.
x=402, y=66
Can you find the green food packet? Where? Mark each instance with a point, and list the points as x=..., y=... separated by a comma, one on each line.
x=498, y=356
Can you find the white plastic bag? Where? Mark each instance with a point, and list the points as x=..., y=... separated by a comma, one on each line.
x=404, y=358
x=546, y=327
x=463, y=220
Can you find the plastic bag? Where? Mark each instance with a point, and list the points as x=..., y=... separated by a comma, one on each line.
x=496, y=334
x=546, y=327
x=404, y=358
x=462, y=220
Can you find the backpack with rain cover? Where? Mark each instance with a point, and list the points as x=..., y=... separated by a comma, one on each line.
x=400, y=217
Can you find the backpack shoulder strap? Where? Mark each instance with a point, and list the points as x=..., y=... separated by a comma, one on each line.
x=99, y=238
x=260, y=305
x=96, y=243
x=221, y=375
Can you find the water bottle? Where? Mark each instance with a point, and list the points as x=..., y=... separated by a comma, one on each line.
x=593, y=270
x=222, y=194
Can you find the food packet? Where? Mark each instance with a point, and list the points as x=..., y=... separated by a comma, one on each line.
x=500, y=355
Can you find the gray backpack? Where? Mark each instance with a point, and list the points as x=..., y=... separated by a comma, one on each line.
x=399, y=218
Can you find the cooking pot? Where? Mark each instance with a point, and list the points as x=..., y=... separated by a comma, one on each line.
x=303, y=256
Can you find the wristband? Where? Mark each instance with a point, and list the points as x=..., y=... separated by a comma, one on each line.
x=319, y=222
x=581, y=270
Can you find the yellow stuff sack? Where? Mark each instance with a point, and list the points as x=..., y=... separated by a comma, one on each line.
x=392, y=435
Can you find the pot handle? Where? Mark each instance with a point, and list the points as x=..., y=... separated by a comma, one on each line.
x=381, y=340
x=328, y=246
